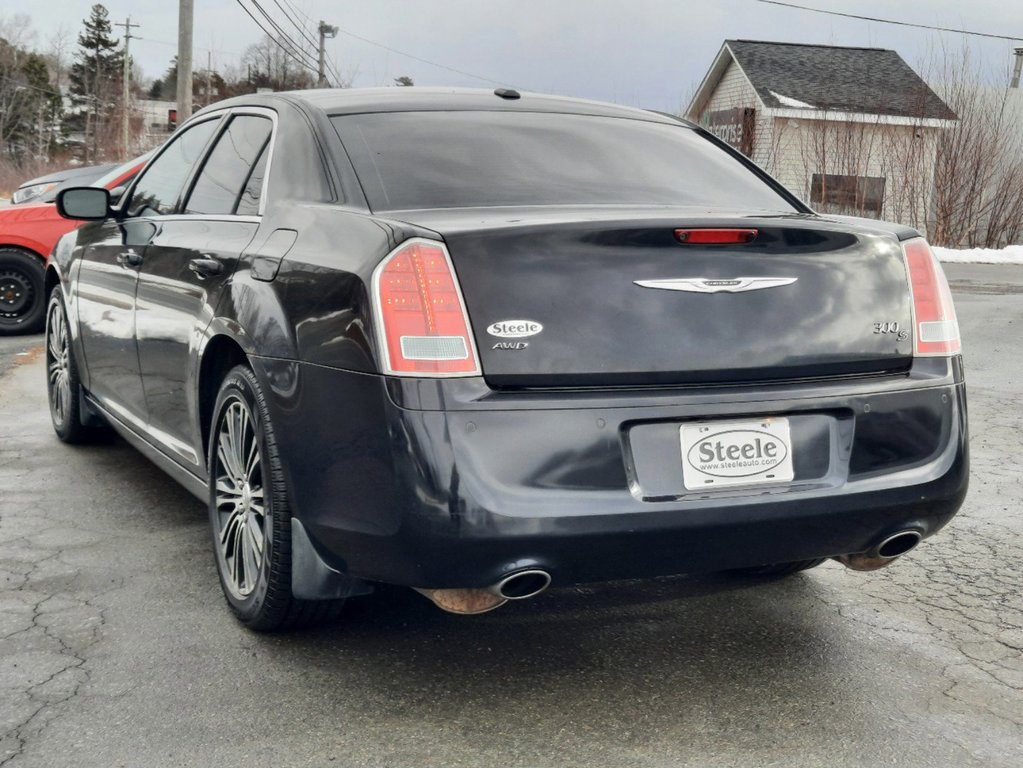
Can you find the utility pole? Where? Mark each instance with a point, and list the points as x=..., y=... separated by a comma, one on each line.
x=209, y=78
x=185, y=12
x=326, y=31
x=125, y=75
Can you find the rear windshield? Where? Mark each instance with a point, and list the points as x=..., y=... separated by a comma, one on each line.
x=467, y=159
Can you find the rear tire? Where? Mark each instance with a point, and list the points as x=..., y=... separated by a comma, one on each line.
x=250, y=516
x=63, y=387
x=780, y=569
x=22, y=292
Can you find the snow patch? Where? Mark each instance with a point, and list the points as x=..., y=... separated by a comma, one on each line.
x=1011, y=254
x=788, y=101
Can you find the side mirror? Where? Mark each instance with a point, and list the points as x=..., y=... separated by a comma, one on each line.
x=85, y=203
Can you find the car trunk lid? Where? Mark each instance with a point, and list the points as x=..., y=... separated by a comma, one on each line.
x=612, y=298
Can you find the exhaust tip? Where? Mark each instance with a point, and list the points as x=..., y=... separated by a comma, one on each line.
x=898, y=544
x=521, y=585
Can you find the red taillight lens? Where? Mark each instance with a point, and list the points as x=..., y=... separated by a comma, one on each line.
x=715, y=236
x=935, y=329
x=423, y=326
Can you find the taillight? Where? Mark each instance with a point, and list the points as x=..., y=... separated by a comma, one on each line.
x=715, y=236
x=423, y=327
x=935, y=329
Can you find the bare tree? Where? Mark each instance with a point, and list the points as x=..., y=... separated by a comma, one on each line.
x=271, y=65
x=58, y=55
x=978, y=163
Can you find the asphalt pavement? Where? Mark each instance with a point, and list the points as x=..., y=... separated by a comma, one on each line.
x=116, y=648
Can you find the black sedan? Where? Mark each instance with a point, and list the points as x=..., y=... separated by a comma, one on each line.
x=481, y=343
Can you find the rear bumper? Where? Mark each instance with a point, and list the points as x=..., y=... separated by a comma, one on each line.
x=444, y=485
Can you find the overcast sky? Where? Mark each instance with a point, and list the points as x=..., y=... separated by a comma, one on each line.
x=649, y=53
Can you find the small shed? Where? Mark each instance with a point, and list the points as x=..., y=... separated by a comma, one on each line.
x=852, y=130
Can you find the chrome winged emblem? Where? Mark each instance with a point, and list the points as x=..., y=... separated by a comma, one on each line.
x=717, y=285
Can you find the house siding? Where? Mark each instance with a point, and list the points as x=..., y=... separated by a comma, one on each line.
x=794, y=149
x=902, y=155
x=735, y=91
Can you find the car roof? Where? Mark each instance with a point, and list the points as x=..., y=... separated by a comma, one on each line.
x=340, y=101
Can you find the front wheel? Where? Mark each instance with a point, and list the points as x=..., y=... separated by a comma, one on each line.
x=22, y=298
x=63, y=387
x=249, y=512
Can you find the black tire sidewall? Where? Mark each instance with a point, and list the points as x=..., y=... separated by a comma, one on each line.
x=34, y=269
x=253, y=609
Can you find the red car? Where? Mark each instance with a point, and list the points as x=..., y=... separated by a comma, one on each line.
x=27, y=235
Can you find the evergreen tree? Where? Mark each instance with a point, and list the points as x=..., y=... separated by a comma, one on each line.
x=95, y=82
x=169, y=87
x=41, y=121
x=29, y=104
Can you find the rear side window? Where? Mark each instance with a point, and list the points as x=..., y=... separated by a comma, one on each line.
x=159, y=188
x=467, y=159
x=253, y=192
x=225, y=176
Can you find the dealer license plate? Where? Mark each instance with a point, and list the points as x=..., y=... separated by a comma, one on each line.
x=726, y=453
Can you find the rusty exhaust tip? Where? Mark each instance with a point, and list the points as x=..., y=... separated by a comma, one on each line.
x=465, y=602
x=883, y=554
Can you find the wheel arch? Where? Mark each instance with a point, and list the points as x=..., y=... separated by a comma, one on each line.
x=221, y=353
x=51, y=279
x=28, y=247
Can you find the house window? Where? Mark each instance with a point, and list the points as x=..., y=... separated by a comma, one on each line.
x=856, y=195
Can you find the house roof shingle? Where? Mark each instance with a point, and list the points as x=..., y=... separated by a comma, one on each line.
x=837, y=79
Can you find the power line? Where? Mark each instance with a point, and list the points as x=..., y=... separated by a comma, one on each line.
x=304, y=31
x=201, y=47
x=276, y=42
x=301, y=29
x=890, y=21
x=425, y=61
x=21, y=84
x=284, y=36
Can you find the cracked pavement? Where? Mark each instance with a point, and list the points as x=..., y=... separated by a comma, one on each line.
x=116, y=648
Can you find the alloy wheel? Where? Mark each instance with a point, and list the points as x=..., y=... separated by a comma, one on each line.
x=241, y=514
x=57, y=364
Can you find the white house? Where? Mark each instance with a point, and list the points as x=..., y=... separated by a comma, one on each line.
x=157, y=117
x=851, y=130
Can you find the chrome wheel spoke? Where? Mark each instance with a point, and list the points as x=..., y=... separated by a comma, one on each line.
x=55, y=342
x=254, y=528
x=252, y=463
x=250, y=566
x=228, y=491
x=59, y=401
x=229, y=535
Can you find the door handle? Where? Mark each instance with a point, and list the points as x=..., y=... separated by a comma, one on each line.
x=129, y=259
x=206, y=267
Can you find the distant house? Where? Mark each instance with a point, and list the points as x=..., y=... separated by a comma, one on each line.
x=157, y=120
x=852, y=130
